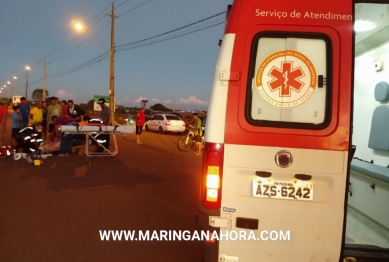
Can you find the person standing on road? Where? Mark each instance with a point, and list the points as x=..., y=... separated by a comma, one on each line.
x=140, y=121
x=75, y=111
x=16, y=119
x=53, y=110
x=44, y=120
x=105, y=116
x=25, y=112
x=64, y=107
x=3, y=117
x=197, y=130
x=36, y=113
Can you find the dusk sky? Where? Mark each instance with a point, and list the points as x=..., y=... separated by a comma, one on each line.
x=177, y=73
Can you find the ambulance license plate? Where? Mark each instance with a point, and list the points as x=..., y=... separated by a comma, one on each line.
x=278, y=189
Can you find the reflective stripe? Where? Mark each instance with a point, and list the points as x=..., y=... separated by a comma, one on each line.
x=32, y=140
x=101, y=141
x=25, y=129
x=34, y=134
x=33, y=150
x=39, y=140
x=27, y=137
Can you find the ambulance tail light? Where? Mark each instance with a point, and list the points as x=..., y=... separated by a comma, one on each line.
x=212, y=174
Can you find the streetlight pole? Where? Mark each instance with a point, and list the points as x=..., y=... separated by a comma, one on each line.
x=27, y=68
x=12, y=88
x=112, y=66
x=44, y=80
x=17, y=82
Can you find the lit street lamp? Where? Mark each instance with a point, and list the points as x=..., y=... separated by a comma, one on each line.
x=17, y=82
x=27, y=68
x=12, y=88
x=111, y=52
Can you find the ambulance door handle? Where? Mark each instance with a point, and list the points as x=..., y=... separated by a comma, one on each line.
x=303, y=177
x=263, y=174
x=322, y=81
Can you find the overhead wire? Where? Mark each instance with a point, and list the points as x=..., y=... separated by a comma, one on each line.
x=169, y=38
x=67, y=53
x=80, y=44
x=135, y=7
x=171, y=31
x=77, y=36
x=133, y=45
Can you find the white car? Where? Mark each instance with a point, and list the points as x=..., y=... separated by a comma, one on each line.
x=165, y=123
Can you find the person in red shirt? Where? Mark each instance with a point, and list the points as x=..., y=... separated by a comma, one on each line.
x=140, y=121
x=64, y=106
x=3, y=117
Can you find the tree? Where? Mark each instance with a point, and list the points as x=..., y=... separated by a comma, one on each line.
x=37, y=95
x=158, y=107
x=91, y=103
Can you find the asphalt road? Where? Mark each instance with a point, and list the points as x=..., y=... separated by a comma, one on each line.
x=54, y=212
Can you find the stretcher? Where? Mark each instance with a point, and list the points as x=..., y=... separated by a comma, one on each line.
x=96, y=133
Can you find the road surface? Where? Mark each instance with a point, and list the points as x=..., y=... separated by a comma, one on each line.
x=54, y=212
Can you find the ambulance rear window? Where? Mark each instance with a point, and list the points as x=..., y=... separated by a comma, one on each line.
x=289, y=82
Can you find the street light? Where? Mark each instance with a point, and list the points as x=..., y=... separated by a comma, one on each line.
x=81, y=28
x=5, y=90
x=27, y=68
x=17, y=82
x=111, y=52
x=12, y=88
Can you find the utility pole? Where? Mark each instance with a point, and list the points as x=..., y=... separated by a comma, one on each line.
x=44, y=79
x=112, y=66
x=27, y=68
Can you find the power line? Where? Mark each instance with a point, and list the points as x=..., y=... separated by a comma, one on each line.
x=174, y=30
x=99, y=30
x=82, y=66
x=80, y=44
x=135, y=7
x=129, y=46
x=121, y=4
x=169, y=38
x=77, y=36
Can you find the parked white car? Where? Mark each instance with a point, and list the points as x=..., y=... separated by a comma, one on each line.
x=165, y=123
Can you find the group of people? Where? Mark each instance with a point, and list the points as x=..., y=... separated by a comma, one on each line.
x=32, y=126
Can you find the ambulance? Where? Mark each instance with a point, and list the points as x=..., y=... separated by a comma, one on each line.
x=278, y=147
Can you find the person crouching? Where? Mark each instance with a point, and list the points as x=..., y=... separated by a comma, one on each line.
x=29, y=138
x=66, y=139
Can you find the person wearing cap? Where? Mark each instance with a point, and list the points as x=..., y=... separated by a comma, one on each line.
x=105, y=113
x=3, y=117
x=53, y=110
x=29, y=138
x=105, y=116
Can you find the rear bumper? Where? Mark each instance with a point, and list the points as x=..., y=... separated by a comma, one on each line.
x=175, y=129
x=209, y=251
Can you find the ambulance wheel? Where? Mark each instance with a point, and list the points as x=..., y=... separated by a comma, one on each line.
x=147, y=128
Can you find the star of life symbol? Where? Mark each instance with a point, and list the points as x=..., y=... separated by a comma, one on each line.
x=286, y=79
